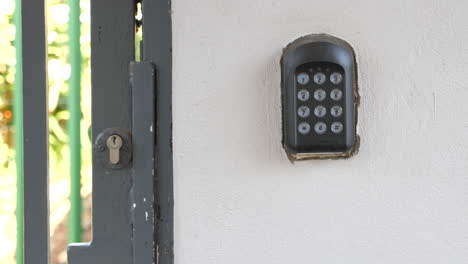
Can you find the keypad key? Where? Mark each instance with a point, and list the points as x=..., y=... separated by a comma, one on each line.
x=320, y=111
x=320, y=95
x=336, y=111
x=320, y=128
x=303, y=95
x=336, y=127
x=303, y=128
x=303, y=111
x=320, y=78
x=303, y=78
x=336, y=78
x=336, y=94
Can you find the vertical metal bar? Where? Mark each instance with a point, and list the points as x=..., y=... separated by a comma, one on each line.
x=142, y=81
x=157, y=49
x=74, y=129
x=36, y=206
x=18, y=122
x=112, y=50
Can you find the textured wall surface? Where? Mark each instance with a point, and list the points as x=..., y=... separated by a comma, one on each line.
x=402, y=199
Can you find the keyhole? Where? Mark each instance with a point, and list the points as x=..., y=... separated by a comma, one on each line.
x=114, y=143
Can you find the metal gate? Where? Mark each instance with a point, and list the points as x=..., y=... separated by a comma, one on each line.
x=133, y=197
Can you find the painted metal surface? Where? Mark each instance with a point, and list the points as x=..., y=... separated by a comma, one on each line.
x=112, y=44
x=74, y=127
x=142, y=79
x=157, y=49
x=35, y=144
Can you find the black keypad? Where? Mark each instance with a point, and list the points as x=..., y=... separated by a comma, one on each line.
x=320, y=104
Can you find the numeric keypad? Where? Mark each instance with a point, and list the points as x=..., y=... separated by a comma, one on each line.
x=319, y=98
x=320, y=93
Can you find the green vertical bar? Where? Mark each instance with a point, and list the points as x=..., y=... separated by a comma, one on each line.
x=74, y=98
x=18, y=124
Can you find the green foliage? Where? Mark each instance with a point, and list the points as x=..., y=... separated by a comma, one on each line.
x=59, y=73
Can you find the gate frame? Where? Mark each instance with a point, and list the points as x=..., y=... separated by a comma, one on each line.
x=132, y=206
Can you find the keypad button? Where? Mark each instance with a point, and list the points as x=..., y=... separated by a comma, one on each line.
x=303, y=78
x=336, y=94
x=336, y=111
x=320, y=95
x=303, y=111
x=320, y=78
x=320, y=128
x=336, y=78
x=303, y=128
x=303, y=95
x=337, y=127
x=320, y=111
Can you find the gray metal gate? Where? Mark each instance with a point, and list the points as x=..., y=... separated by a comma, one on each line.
x=132, y=203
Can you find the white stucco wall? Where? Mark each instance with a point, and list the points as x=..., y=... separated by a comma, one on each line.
x=402, y=199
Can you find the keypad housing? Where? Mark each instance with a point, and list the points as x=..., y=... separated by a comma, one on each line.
x=319, y=98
